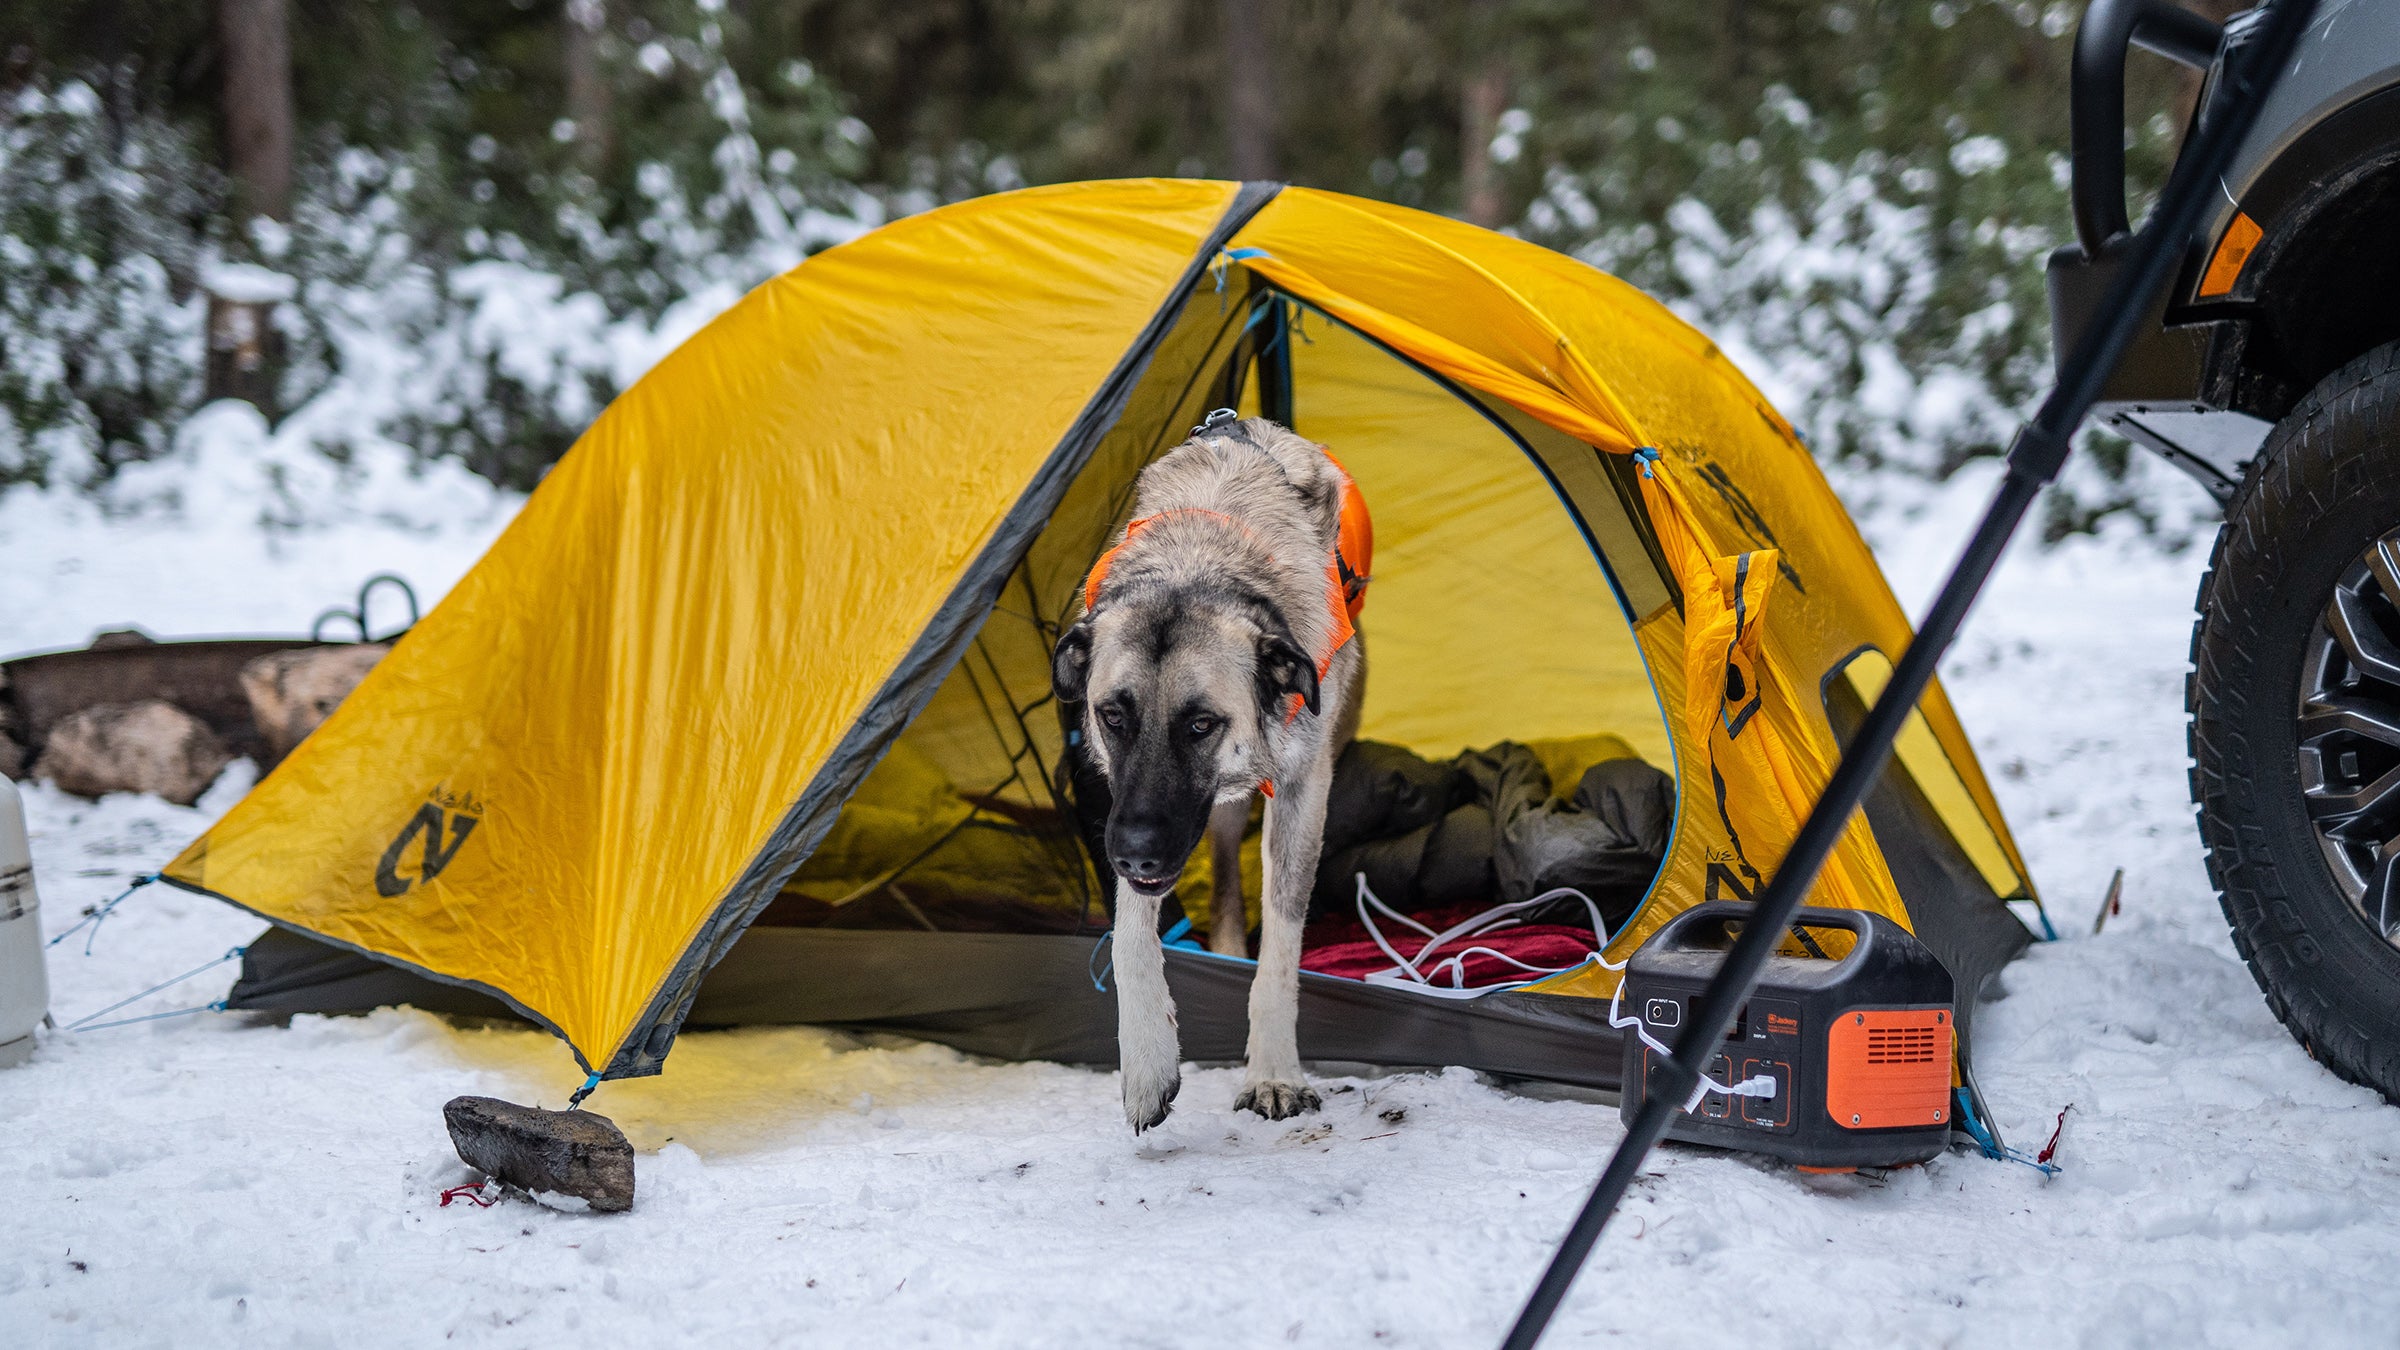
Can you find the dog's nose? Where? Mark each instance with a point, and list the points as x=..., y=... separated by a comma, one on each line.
x=1139, y=849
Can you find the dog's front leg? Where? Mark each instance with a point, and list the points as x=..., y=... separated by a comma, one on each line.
x=1295, y=827
x=1228, y=918
x=1145, y=1012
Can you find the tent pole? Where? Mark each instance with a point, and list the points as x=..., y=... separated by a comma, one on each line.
x=2035, y=458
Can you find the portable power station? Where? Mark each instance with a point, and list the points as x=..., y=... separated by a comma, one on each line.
x=1841, y=1059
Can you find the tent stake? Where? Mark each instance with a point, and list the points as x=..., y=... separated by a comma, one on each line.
x=2035, y=458
x=2110, y=903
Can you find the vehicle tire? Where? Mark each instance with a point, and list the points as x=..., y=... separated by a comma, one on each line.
x=2295, y=720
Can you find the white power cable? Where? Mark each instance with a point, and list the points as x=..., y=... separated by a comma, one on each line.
x=1405, y=972
x=1756, y=1085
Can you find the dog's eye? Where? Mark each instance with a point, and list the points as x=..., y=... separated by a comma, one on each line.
x=1112, y=718
x=1204, y=727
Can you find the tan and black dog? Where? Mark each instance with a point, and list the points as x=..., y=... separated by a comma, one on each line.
x=1217, y=656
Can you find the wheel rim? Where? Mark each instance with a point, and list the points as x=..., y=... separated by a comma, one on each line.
x=2350, y=735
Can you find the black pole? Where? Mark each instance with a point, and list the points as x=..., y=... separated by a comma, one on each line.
x=2035, y=459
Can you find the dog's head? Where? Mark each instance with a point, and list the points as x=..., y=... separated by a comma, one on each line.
x=1182, y=696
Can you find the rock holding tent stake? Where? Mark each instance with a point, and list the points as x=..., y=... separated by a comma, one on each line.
x=574, y=1154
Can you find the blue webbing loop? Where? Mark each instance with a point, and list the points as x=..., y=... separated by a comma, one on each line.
x=1645, y=456
x=575, y=1103
x=1224, y=263
x=1093, y=967
x=1180, y=936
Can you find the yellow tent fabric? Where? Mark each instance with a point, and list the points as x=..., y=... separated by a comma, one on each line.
x=800, y=541
x=1471, y=551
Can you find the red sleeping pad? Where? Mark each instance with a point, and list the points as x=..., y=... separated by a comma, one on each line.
x=1342, y=946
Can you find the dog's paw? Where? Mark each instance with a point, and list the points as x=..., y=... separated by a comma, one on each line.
x=1277, y=1101
x=1149, y=1099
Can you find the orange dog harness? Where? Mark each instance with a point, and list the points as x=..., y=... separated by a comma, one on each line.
x=1347, y=572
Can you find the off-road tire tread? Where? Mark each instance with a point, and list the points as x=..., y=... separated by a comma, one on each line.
x=2325, y=485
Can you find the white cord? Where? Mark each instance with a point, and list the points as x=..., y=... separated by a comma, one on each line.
x=1757, y=1085
x=1405, y=972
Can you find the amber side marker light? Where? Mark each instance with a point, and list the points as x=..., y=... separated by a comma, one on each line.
x=2225, y=266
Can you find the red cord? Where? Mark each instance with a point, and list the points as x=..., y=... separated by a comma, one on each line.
x=471, y=1191
x=2055, y=1131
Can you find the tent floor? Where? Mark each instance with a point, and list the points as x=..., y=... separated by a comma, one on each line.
x=1011, y=996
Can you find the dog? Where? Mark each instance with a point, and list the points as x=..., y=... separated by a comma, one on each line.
x=1217, y=656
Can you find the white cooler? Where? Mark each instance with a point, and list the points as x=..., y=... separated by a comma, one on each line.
x=24, y=983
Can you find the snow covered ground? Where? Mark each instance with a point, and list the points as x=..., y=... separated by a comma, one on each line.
x=208, y=1180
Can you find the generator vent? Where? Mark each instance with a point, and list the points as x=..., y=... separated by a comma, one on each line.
x=1905, y=1045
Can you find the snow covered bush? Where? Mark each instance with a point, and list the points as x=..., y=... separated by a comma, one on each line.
x=100, y=248
x=731, y=180
x=542, y=315
x=480, y=308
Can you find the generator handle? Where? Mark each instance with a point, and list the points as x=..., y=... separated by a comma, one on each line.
x=1679, y=931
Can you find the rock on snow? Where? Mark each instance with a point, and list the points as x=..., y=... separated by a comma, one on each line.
x=145, y=746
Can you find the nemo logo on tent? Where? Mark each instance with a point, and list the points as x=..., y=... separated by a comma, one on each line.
x=1725, y=884
x=443, y=814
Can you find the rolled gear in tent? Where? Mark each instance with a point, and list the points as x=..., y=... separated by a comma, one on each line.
x=626, y=733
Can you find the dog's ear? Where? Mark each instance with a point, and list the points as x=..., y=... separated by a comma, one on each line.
x=1071, y=662
x=1284, y=670
x=1324, y=496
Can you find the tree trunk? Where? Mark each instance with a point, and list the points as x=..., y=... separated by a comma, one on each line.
x=1482, y=100
x=244, y=349
x=591, y=103
x=1249, y=97
x=257, y=105
x=1479, y=177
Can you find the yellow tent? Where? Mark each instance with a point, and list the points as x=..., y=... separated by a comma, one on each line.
x=774, y=636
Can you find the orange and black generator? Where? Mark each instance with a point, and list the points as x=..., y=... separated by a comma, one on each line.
x=1841, y=1059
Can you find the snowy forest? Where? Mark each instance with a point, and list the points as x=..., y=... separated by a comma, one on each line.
x=456, y=229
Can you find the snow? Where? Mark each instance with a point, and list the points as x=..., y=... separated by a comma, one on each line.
x=247, y=283
x=241, y=530
x=214, y=1180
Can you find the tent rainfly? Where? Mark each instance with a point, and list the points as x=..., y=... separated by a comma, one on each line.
x=740, y=720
